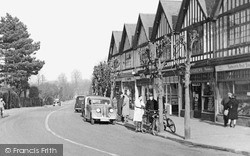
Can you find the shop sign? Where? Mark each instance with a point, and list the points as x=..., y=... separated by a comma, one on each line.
x=236, y=66
x=196, y=84
x=128, y=79
x=171, y=79
x=201, y=70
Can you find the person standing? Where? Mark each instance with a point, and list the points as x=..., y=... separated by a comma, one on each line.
x=151, y=105
x=138, y=113
x=119, y=104
x=225, y=102
x=2, y=103
x=125, y=107
x=233, y=105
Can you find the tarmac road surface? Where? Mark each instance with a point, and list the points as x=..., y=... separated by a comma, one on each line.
x=61, y=125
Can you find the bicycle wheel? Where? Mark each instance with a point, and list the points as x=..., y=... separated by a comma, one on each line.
x=171, y=125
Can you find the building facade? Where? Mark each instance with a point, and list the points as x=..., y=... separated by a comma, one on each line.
x=220, y=58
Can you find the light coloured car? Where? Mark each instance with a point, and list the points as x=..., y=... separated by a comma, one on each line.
x=57, y=102
x=98, y=108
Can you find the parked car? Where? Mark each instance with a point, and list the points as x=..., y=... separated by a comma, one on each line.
x=98, y=108
x=57, y=102
x=79, y=102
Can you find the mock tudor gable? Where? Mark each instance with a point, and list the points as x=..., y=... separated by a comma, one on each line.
x=114, y=43
x=165, y=19
x=143, y=29
x=127, y=37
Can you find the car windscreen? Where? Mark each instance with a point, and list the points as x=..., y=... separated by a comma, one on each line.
x=100, y=101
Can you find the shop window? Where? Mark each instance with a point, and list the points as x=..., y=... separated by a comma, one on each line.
x=242, y=91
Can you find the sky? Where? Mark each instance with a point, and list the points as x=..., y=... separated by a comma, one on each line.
x=74, y=34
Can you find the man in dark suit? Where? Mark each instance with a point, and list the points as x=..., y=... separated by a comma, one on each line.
x=151, y=105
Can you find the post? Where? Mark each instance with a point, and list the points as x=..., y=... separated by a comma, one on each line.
x=179, y=96
x=187, y=100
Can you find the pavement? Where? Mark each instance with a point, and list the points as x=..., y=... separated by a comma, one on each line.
x=207, y=134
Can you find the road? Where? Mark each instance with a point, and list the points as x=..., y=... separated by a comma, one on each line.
x=61, y=125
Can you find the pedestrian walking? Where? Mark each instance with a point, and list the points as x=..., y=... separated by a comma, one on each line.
x=233, y=105
x=125, y=107
x=225, y=102
x=2, y=103
x=138, y=113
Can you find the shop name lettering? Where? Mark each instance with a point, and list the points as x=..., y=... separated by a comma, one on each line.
x=240, y=65
x=236, y=66
x=202, y=70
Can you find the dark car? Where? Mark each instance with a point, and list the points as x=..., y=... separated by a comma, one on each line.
x=79, y=102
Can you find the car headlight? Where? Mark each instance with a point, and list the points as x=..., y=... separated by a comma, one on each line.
x=98, y=110
x=111, y=110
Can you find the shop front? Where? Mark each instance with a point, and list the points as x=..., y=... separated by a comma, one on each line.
x=128, y=85
x=171, y=94
x=235, y=78
x=202, y=85
x=145, y=87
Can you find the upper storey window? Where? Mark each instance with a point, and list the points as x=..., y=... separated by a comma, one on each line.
x=231, y=4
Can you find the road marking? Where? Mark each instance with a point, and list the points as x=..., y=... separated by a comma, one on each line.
x=71, y=141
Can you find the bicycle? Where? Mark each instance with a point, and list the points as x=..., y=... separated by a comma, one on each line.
x=148, y=127
x=167, y=122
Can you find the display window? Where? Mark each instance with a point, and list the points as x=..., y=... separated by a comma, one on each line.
x=242, y=91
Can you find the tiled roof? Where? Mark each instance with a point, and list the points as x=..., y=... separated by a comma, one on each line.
x=147, y=22
x=130, y=29
x=171, y=9
x=117, y=37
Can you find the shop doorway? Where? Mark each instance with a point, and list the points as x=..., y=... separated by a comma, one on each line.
x=196, y=99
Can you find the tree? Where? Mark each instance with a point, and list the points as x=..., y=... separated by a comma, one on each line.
x=153, y=64
x=66, y=91
x=76, y=78
x=18, y=51
x=188, y=49
x=113, y=65
x=101, y=79
x=48, y=91
x=34, y=92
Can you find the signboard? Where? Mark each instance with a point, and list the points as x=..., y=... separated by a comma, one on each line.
x=236, y=66
x=199, y=70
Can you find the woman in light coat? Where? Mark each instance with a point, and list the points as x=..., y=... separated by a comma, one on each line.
x=138, y=113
